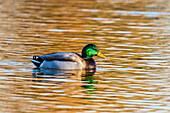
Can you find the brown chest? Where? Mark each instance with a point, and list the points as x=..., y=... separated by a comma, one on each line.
x=90, y=63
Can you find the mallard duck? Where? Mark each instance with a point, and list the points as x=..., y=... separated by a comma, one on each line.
x=69, y=60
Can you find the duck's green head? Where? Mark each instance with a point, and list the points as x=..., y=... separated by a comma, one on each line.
x=91, y=50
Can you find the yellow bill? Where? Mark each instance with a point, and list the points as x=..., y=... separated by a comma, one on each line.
x=101, y=55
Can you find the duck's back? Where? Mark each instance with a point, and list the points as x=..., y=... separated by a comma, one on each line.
x=62, y=56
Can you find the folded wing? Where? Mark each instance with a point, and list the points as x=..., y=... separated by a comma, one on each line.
x=63, y=56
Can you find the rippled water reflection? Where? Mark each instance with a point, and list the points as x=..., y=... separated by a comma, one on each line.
x=134, y=35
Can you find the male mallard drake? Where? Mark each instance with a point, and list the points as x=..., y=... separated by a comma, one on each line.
x=69, y=60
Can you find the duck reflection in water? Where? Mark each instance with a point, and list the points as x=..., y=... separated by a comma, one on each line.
x=54, y=76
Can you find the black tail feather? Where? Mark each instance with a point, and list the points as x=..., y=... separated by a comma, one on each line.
x=37, y=60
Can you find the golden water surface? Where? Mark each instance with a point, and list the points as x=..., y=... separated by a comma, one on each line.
x=134, y=35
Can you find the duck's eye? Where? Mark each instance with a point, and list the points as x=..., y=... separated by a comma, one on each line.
x=95, y=49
